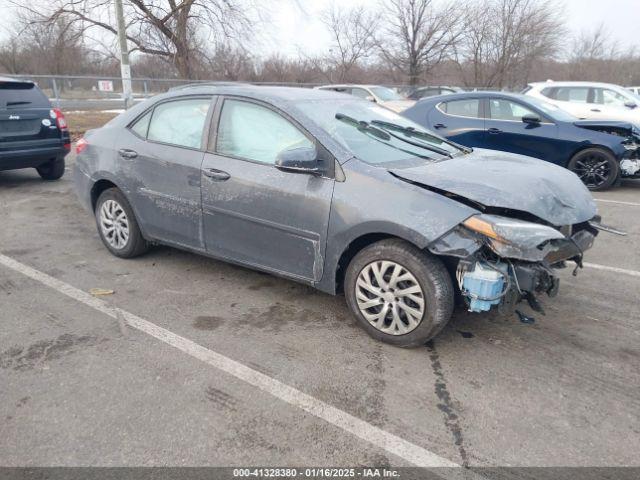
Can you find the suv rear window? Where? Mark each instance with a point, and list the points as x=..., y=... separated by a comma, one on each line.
x=22, y=95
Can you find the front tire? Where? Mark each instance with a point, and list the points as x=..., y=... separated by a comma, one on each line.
x=117, y=225
x=398, y=293
x=52, y=170
x=597, y=168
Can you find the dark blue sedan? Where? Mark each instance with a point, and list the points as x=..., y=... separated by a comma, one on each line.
x=599, y=152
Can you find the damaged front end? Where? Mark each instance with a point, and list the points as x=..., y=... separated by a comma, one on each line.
x=502, y=261
x=630, y=135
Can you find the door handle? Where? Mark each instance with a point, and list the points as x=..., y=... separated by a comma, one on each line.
x=595, y=110
x=126, y=153
x=494, y=130
x=217, y=175
x=439, y=125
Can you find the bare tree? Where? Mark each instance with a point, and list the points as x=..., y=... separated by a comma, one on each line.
x=504, y=38
x=171, y=29
x=418, y=35
x=352, y=32
x=592, y=45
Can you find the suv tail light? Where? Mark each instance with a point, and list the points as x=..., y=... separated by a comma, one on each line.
x=81, y=145
x=61, y=122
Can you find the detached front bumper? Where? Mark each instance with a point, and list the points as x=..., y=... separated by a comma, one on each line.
x=493, y=273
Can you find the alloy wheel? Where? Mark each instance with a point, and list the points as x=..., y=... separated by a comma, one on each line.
x=593, y=169
x=114, y=224
x=389, y=297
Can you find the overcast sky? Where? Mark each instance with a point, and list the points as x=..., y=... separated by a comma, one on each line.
x=295, y=25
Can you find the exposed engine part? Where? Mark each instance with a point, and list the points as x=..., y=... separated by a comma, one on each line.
x=605, y=228
x=525, y=318
x=630, y=167
x=484, y=285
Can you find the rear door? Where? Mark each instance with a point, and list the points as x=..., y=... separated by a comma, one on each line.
x=576, y=100
x=459, y=120
x=26, y=119
x=507, y=132
x=254, y=213
x=160, y=156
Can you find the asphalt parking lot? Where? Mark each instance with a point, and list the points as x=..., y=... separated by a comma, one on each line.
x=205, y=378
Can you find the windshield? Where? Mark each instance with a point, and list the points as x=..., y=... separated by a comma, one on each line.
x=385, y=94
x=375, y=134
x=552, y=111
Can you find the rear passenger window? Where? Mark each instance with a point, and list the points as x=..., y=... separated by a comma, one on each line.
x=142, y=125
x=462, y=108
x=572, y=94
x=179, y=122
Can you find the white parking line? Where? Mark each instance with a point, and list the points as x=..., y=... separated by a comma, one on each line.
x=617, y=201
x=376, y=436
x=606, y=268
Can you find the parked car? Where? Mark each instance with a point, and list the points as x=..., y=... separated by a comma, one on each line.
x=424, y=92
x=599, y=152
x=33, y=134
x=338, y=193
x=586, y=100
x=374, y=93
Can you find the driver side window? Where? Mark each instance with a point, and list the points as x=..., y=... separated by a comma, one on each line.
x=253, y=132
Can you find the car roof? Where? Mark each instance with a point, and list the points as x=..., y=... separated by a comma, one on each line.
x=480, y=94
x=574, y=84
x=14, y=80
x=347, y=85
x=266, y=93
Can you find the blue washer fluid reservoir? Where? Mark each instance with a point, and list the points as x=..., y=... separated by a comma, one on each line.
x=483, y=284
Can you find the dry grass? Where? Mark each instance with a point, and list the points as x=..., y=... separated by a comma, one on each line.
x=80, y=122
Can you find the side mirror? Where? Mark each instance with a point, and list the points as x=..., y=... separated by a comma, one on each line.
x=298, y=160
x=531, y=119
x=371, y=98
x=630, y=104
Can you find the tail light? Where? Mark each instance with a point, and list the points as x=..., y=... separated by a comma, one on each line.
x=81, y=145
x=61, y=122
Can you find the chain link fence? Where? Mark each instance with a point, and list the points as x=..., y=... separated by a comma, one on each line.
x=105, y=93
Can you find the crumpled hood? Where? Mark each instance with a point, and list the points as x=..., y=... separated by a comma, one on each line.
x=505, y=180
x=398, y=105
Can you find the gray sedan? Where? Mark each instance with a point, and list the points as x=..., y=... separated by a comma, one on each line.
x=338, y=193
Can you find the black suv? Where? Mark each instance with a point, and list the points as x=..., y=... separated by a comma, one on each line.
x=32, y=133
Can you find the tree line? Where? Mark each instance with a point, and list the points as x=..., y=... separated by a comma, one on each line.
x=471, y=43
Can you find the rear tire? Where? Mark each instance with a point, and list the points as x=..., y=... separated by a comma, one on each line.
x=383, y=305
x=597, y=168
x=117, y=225
x=52, y=170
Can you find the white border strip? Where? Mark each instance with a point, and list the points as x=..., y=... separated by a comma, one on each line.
x=380, y=438
x=606, y=268
x=617, y=201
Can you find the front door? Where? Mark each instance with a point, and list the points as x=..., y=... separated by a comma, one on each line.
x=254, y=213
x=507, y=132
x=160, y=156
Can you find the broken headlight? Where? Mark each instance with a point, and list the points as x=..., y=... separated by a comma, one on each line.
x=509, y=231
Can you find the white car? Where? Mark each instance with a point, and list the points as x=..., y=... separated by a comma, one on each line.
x=588, y=100
x=375, y=93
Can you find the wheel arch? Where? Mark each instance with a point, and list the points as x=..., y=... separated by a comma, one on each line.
x=334, y=275
x=586, y=146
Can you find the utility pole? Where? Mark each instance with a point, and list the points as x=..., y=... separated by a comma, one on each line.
x=125, y=68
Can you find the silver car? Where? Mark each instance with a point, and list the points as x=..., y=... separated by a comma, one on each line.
x=338, y=193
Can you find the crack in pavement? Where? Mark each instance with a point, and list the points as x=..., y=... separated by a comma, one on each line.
x=451, y=418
